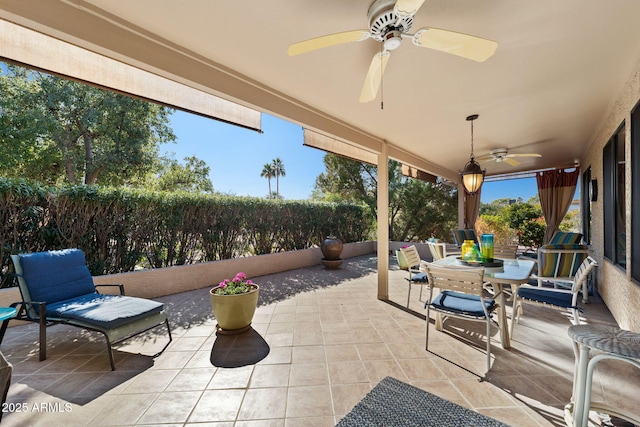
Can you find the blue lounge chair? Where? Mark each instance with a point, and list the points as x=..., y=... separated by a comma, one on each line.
x=57, y=287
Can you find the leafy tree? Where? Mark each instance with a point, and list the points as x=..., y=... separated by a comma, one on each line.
x=518, y=213
x=57, y=130
x=532, y=232
x=348, y=181
x=278, y=171
x=267, y=172
x=417, y=210
x=192, y=177
x=496, y=206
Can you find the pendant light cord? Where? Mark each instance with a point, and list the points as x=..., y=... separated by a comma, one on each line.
x=472, y=140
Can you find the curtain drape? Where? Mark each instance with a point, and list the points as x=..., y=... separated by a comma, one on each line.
x=556, y=189
x=471, y=209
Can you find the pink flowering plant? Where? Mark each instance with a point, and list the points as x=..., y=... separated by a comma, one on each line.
x=238, y=285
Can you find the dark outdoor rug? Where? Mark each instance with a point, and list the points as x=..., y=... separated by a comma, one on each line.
x=393, y=403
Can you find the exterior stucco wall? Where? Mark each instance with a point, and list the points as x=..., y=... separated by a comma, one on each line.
x=618, y=291
x=166, y=281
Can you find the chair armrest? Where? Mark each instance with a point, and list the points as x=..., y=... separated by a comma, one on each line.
x=21, y=313
x=119, y=285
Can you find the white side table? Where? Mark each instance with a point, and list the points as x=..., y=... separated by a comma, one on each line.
x=614, y=343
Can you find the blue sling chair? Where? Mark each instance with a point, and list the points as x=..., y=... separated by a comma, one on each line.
x=57, y=287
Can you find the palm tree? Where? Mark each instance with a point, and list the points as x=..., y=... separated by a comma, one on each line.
x=268, y=172
x=278, y=170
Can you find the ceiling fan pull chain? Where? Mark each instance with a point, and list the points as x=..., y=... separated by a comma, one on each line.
x=381, y=81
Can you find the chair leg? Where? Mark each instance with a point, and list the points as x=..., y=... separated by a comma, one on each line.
x=576, y=316
x=110, y=351
x=488, y=343
x=3, y=329
x=166, y=321
x=517, y=308
x=426, y=346
x=43, y=338
x=409, y=293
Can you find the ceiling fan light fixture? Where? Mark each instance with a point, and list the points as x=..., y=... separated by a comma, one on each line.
x=392, y=40
x=472, y=175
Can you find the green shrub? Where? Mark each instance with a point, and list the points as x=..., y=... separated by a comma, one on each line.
x=121, y=229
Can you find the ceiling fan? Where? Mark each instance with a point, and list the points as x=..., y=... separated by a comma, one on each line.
x=389, y=23
x=502, y=155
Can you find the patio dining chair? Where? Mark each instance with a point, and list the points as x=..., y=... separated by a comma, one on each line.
x=558, y=263
x=505, y=251
x=559, y=299
x=462, y=295
x=440, y=250
x=459, y=236
x=412, y=257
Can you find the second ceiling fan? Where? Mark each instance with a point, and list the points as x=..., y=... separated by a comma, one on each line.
x=389, y=23
x=502, y=155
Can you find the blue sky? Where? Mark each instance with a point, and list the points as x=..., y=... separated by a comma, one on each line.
x=236, y=157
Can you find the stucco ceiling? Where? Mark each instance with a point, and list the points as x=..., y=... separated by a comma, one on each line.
x=547, y=89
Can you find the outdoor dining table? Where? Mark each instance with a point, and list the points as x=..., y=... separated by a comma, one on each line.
x=513, y=272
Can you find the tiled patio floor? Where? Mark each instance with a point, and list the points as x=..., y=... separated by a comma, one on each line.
x=330, y=341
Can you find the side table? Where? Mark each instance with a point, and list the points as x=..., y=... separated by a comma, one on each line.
x=6, y=369
x=613, y=343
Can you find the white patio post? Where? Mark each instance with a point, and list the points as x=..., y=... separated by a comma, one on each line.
x=383, y=222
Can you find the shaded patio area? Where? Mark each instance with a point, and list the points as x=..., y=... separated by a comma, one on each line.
x=327, y=341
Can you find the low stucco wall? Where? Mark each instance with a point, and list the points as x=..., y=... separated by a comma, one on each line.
x=166, y=281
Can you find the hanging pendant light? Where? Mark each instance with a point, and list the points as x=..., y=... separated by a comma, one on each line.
x=472, y=175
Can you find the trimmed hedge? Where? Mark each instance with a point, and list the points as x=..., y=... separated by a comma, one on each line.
x=121, y=229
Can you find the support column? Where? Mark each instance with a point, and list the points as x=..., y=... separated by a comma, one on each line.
x=461, y=206
x=383, y=223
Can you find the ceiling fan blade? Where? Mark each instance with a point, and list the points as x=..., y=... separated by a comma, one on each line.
x=510, y=161
x=524, y=155
x=407, y=7
x=466, y=46
x=485, y=158
x=374, y=75
x=328, y=40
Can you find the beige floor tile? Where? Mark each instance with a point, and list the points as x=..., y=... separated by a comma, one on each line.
x=217, y=405
x=375, y=351
x=341, y=352
x=308, y=354
x=123, y=410
x=172, y=407
x=270, y=376
x=278, y=355
x=309, y=401
x=377, y=370
x=173, y=359
x=263, y=404
x=482, y=394
x=226, y=378
x=311, y=422
x=200, y=359
x=348, y=372
x=284, y=339
x=346, y=396
x=192, y=379
x=255, y=423
x=308, y=374
x=156, y=380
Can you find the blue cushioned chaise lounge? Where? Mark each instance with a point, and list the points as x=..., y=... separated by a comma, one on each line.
x=57, y=287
